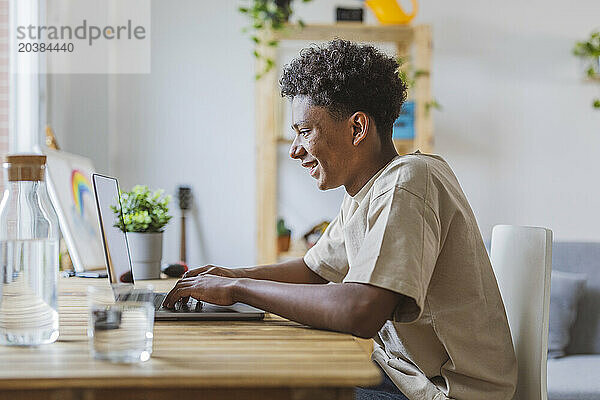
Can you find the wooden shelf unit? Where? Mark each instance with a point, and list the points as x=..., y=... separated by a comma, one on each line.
x=269, y=109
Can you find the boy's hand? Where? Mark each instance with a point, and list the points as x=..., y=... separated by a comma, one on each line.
x=203, y=287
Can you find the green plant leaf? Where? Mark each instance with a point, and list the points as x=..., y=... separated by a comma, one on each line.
x=265, y=16
x=432, y=104
x=401, y=60
x=282, y=230
x=591, y=72
x=589, y=48
x=142, y=210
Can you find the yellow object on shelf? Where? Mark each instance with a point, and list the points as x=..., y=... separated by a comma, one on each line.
x=390, y=12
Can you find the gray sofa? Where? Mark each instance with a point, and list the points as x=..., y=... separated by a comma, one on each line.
x=576, y=376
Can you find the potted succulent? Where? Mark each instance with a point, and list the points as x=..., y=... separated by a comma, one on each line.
x=283, y=236
x=143, y=214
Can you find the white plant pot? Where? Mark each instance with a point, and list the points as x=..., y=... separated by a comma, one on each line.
x=145, y=249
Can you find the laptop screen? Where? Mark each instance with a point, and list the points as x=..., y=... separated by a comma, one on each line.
x=115, y=241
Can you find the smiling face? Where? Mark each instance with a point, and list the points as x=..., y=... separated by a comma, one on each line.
x=322, y=143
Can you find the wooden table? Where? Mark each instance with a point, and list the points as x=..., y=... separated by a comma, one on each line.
x=270, y=359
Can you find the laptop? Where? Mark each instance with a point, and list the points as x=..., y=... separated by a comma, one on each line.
x=118, y=264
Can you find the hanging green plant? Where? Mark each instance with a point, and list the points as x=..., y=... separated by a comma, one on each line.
x=266, y=17
x=589, y=52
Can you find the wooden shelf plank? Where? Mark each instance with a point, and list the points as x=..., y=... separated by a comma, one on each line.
x=404, y=146
x=422, y=90
x=266, y=161
x=297, y=249
x=284, y=140
x=349, y=31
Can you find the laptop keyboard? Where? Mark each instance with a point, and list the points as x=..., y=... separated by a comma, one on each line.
x=192, y=305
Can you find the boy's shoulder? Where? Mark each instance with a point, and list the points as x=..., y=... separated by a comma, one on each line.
x=410, y=172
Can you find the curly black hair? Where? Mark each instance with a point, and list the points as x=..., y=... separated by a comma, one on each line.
x=346, y=77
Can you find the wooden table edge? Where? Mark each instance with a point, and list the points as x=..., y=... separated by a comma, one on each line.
x=184, y=383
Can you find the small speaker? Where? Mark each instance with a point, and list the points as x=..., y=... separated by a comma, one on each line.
x=184, y=194
x=348, y=14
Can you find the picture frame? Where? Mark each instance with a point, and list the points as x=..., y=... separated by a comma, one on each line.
x=72, y=195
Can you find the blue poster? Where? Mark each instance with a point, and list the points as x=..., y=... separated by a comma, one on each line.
x=404, y=126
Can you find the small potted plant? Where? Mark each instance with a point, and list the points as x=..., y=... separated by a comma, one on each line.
x=283, y=236
x=143, y=215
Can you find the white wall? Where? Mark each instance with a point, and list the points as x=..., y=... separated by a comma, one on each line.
x=191, y=122
x=77, y=111
x=517, y=124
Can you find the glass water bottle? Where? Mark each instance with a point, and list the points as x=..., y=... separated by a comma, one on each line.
x=29, y=236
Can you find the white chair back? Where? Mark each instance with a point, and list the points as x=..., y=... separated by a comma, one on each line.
x=522, y=261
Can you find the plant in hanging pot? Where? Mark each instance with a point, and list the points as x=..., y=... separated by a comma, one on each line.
x=143, y=214
x=267, y=17
x=589, y=52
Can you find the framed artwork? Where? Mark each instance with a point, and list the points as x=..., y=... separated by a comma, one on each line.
x=72, y=196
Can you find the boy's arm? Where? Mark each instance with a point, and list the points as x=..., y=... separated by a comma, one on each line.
x=292, y=271
x=356, y=308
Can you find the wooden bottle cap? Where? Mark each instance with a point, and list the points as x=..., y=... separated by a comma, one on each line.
x=25, y=167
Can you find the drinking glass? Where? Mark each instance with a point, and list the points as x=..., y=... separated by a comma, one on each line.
x=121, y=322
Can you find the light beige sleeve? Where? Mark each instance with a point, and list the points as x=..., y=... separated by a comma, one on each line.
x=409, y=379
x=328, y=256
x=400, y=250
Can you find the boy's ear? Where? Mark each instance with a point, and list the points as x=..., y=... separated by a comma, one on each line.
x=360, y=127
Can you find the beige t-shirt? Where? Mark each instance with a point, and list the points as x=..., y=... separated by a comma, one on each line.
x=411, y=230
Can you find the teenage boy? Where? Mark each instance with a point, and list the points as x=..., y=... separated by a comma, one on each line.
x=402, y=263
